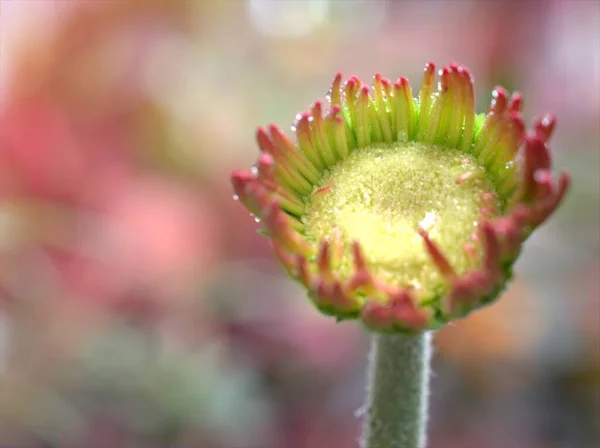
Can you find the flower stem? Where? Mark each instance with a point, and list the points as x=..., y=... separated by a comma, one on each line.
x=397, y=391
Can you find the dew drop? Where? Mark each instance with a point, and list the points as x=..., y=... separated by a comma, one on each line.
x=294, y=125
x=328, y=95
x=254, y=170
x=361, y=411
x=256, y=219
x=236, y=197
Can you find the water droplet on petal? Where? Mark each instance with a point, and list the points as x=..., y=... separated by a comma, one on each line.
x=402, y=136
x=360, y=411
x=236, y=197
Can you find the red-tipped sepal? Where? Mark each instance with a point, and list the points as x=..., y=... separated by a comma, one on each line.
x=538, y=191
x=477, y=288
x=397, y=313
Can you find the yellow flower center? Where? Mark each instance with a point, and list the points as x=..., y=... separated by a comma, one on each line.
x=380, y=196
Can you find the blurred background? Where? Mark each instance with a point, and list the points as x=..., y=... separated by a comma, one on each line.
x=138, y=305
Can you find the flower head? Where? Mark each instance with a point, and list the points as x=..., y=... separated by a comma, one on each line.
x=403, y=212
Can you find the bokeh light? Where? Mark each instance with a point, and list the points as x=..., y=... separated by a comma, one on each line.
x=140, y=308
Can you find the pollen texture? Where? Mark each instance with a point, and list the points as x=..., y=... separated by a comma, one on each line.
x=381, y=196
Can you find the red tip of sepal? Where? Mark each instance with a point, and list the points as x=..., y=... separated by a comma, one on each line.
x=316, y=112
x=364, y=93
x=333, y=299
x=360, y=263
x=249, y=190
x=465, y=74
x=303, y=127
x=437, y=256
x=362, y=278
x=491, y=249
x=510, y=232
x=516, y=102
x=428, y=80
x=539, y=211
x=239, y=180
x=535, y=157
x=470, y=290
x=398, y=313
x=302, y=271
x=351, y=88
x=280, y=230
x=499, y=101
x=445, y=74
x=324, y=260
x=335, y=94
x=516, y=119
x=279, y=138
x=545, y=126
x=264, y=142
x=265, y=165
x=467, y=292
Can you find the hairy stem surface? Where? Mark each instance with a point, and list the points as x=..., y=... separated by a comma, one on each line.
x=397, y=391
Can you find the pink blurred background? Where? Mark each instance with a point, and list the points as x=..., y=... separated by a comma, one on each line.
x=138, y=306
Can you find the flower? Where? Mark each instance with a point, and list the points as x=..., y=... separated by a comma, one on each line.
x=402, y=212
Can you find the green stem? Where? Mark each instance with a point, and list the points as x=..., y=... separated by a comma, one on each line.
x=397, y=391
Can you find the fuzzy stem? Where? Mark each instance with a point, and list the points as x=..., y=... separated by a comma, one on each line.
x=397, y=391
